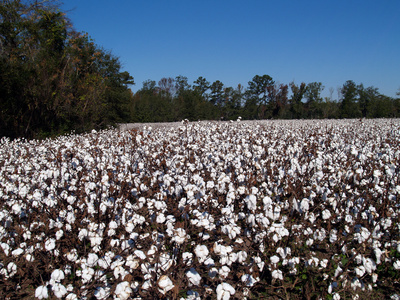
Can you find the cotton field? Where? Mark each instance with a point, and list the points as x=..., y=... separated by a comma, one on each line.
x=274, y=209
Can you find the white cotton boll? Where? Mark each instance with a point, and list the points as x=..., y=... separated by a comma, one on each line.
x=17, y=252
x=165, y=284
x=333, y=236
x=123, y=290
x=369, y=265
x=241, y=256
x=248, y=280
x=224, y=291
x=119, y=271
x=59, y=234
x=332, y=286
x=71, y=296
x=187, y=258
x=209, y=262
x=326, y=214
x=224, y=272
x=57, y=275
x=102, y=293
x=396, y=265
x=129, y=227
x=277, y=274
x=59, y=290
x=92, y=259
x=179, y=236
x=338, y=271
x=377, y=173
x=140, y=254
x=72, y=255
x=41, y=292
x=16, y=208
x=323, y=263
x=274, y=259
x=251, y=202
x=193, y=277
x=201, y=252
x=6, y=248
x=378, y=252
x=360, y=271
x=11, y=269
x=50, y=244
x=29, y=257
x=336, y=296
x=160, y=218
x=304, y=205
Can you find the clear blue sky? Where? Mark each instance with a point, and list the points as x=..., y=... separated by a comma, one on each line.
x=232, y=41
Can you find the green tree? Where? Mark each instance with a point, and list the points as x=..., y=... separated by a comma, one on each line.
x=313, y=99
x=259, y=94
x=217, y=93
x=349, y=107
x=53, y=79
x=295, y=101
x=201, y=85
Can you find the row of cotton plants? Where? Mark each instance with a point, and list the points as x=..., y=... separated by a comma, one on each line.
x=279, y=209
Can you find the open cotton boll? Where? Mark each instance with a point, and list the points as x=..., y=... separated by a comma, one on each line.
x=57, y=275
x=165, y=284
x=193, y=277
x=50, y=244
x=41, y=292
x=248, y=280
x=277, y=274
x=224, y=291
x=102, y=293
x=201, y=252
x=123, y=290
x=59, y=290
x=251, y=202
x=179, y=236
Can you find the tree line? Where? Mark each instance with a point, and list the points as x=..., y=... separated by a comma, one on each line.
x=54, y=79
x=174, y=99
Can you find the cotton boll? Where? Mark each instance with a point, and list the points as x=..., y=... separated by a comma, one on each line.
x=41, y=292
x=274, y=259
x=187, y=258
x=326, y=214
x=277, y=274
x=248, y=280
x=251, y=202
x=224, y=291
x=11, y=269
x=396, y=265
x=201, y=252
x=50, y=244
x=71, y=296
x=17, y=252
x=57, y=275
x=59, y=290
x=241, y=256
x=179, y=236
x=165, y=284
x=123, y=290
x=369, y=265
x=193, y=277
x=92, y=259
x=102, y=293
x=224, y=272
x=360, y=271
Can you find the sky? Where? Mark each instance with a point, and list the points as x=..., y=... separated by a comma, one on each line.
x=232, y=41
